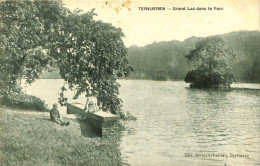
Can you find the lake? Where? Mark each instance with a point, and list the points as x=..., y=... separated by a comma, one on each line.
x=177, y=125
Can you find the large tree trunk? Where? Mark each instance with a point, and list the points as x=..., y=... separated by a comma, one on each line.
x=15, y=75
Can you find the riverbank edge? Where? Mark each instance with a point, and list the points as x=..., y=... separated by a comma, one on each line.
x=224, y=89
x=28, y=137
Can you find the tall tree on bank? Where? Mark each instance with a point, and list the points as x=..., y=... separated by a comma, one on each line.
x=209, y=64
x=92, y=56
x=39, y=34
x=27, y=32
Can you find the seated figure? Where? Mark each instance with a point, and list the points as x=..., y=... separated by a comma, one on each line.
x=91, y=104
x=55, y=116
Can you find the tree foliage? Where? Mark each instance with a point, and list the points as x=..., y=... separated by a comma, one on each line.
x=245, y=44
x=167, y=56
x=209, y=62
x=171, y=55
x=37, y=35
x=27, y=32
x=160, y=75
x=92, y=55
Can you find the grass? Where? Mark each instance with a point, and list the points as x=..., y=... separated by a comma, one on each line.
x=30, y=138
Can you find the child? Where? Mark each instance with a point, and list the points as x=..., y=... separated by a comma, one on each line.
x=55, y=116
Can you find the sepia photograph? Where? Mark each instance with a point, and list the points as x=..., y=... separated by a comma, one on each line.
x=129, y=82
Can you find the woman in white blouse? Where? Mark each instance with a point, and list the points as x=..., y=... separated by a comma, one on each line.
x=91, y=104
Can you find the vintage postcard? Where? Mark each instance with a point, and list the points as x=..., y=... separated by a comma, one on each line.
x=130, y=82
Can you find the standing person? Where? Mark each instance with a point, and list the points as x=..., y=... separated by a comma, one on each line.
x=55, y=116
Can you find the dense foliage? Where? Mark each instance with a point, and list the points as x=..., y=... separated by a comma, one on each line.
x=24, y=101
x=171, y=56
x=160, y=75
x=209, y=62
x=246, y=65
x=27, y=32
x=92, y=56
x=41, y=35
x=158, y=61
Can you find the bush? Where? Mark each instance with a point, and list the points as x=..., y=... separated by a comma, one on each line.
x=24, y=101
x=160, y=75
x=125, y=115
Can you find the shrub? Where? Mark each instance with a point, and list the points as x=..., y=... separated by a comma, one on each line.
x=160, y=75
x=21, y=100
x=125, y=115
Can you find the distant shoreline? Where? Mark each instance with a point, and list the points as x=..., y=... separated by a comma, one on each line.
x=238, y=82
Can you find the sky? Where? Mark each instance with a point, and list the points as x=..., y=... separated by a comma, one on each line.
x=142, y=27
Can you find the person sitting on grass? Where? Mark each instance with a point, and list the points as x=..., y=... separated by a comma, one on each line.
x=55, y=116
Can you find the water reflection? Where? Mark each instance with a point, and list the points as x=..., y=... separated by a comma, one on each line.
x=179, y=120
x=173, y=120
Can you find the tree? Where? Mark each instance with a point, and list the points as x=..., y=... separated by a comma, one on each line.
x=209, y=62
x=28, y=29
x=92, y=54
x=37, y=35
x=160, y=75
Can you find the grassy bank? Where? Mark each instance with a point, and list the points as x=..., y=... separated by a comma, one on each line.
x=30, y=138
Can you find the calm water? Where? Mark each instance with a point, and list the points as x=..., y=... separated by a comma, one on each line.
x=173, y=120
